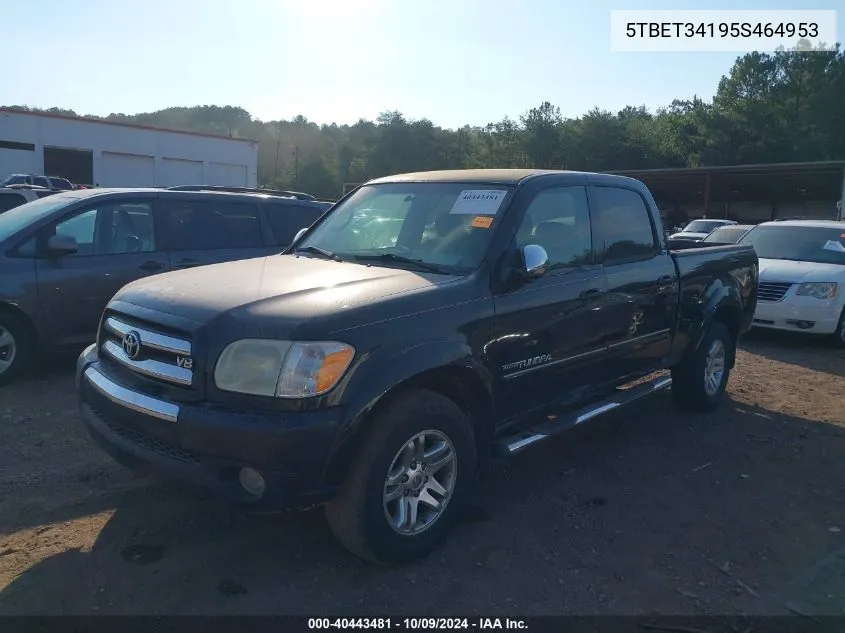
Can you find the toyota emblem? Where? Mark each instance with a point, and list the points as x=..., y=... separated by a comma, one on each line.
x=132, y=344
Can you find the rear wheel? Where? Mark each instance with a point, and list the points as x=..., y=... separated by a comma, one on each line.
x=699, y=381
x=403, y=494
x=16, y=347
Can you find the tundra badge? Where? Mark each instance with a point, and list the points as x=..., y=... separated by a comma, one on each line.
x=528, y=362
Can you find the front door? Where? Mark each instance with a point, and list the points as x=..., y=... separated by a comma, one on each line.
x=211, y=231
x=116, y=245
x=642, y=291
x=549, y=332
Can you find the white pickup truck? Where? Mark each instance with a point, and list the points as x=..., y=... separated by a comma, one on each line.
x=48, y=182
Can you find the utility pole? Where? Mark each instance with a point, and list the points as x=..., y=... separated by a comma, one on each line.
x=278, y=149
x=276, y=166
x=840, y=208
x=296, y=165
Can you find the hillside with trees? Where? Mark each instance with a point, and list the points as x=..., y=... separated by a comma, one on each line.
x=780, y=107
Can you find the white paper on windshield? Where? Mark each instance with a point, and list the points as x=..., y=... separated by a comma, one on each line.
x=478, y=202
x=833, y=245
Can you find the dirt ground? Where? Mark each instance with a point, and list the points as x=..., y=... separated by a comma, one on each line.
x=645, y=511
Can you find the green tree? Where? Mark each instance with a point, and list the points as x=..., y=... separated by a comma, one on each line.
x=780, y=107
x=542, y=136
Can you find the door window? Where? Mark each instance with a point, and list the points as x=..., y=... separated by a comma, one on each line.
x=114, y=229
x=82, y=228
x=287, y=219
x=130, y=229
x=10, y=201
x=201, y=225
x=625, y=223
x=558, y=219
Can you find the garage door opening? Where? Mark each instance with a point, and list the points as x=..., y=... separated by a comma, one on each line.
x=74, y=164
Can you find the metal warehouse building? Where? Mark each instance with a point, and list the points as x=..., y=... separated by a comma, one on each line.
x=108, y=154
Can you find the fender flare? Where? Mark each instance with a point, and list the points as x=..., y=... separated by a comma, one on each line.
x=380, y=374
x=722, y=301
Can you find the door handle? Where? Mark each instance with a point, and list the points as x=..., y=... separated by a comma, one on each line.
x=590, y=294
x=664, y=282
x=151, y=266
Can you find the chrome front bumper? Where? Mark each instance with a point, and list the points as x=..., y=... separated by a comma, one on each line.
x=209, y=445
x=118, y=394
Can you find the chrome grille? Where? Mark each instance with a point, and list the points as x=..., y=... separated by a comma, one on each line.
x=772, y=291
x=159, y=356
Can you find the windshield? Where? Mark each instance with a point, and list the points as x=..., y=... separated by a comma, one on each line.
x=15, y=179
x=821, y=245
x=445, y=225
x=60, y=183
x=726, y=235
x=15, y=219
x=702, y=226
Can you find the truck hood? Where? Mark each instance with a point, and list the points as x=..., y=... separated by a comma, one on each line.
x=799, y=272
x=282, y=288
x=688, y=236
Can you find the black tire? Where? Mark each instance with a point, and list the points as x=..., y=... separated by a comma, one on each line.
x=839, y=335
x=688, y=378
x=357, y=516
x=24, y=348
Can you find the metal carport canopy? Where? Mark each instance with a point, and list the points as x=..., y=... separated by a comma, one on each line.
x=770, y=182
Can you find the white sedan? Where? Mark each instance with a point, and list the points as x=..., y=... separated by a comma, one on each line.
x=802, y=276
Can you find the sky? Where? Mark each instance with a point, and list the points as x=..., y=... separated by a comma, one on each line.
x=454, y=62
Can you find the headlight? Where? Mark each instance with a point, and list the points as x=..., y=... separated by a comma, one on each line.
x=282, y=368
x=817, y=290
x=313, y=368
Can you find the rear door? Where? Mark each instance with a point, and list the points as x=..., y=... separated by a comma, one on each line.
x=642, y=290
x=210, y=230
x=117, y=245
x=287, y=218
x=10, y=200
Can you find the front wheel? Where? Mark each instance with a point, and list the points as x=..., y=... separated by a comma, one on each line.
x=699, y=381
x=414, y=471
x=16, y=348
x=839, y=335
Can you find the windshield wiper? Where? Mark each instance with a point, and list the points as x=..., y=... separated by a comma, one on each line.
x=401, y=259
x=322, y=252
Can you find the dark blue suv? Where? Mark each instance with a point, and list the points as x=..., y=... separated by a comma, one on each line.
x=64, y=256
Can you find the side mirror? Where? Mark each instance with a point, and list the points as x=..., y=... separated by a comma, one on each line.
x=299, y=234
x=535, y=261
x=61, y=245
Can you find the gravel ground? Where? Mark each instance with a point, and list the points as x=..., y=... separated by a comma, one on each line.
x=647, y=510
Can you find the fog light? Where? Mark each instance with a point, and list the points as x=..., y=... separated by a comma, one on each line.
x=801, y=325
x=252, y=481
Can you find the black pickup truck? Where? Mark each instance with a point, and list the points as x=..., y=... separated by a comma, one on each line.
x=427, y=324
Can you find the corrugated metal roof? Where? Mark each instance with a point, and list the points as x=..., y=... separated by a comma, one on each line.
x=137, y=126
x=756, y=167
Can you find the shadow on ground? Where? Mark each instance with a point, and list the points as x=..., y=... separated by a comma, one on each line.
x=645, y=511
x=814, y=352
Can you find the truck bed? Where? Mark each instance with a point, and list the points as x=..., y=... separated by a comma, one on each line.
x=712, y=275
